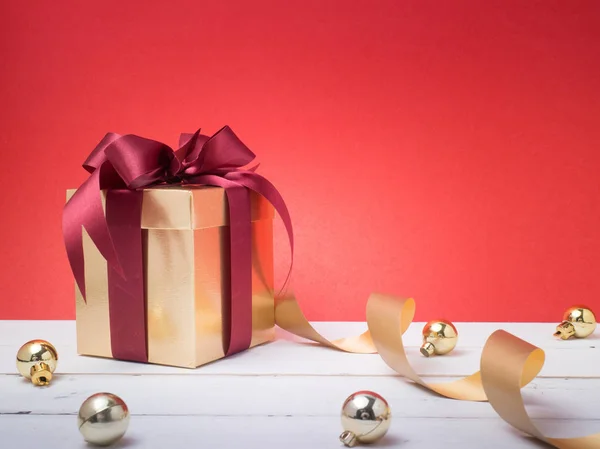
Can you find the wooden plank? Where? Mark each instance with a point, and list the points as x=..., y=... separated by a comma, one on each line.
x=286, y=356
x=282, y=396
x=15, y=333
x=290, y=358
x=159, y=432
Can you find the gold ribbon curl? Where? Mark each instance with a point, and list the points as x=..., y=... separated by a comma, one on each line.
x=507, y=362
x=388, y=319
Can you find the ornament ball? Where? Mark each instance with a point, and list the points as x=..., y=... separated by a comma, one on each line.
x=439, y=337
x=578, y=322
x=366, y=417
x=36, y=361
x=103, y=419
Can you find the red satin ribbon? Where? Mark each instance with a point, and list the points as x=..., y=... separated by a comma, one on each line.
x=124, y=165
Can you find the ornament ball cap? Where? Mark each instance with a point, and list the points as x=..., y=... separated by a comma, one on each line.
x=348, y=438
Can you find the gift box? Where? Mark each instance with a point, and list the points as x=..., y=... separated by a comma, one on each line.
x=172, y=250
x=186, y=270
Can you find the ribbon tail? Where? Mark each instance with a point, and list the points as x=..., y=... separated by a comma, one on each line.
x=507, y=364
x=72, y=234
x=264, y=187
x=388, y=317
x=289, y=317
x=288, y=314
x=85, y=211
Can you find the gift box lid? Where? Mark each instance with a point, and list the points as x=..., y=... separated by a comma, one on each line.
x=191, y=207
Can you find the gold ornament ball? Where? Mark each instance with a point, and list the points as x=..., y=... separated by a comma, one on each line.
x=578, y=322
x=439, y=337
x=366, y=417
x=36, y=361
x=103, y=419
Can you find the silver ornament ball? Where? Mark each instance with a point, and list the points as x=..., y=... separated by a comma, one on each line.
x=103, y=419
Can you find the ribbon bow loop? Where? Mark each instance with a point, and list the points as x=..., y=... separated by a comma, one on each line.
x=97, y=157
x=139, y=161
x=220, y=154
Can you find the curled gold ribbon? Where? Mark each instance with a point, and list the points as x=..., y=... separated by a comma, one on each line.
x=388, y=317
x=384, y=315
x=289, y=317
x=507, y=362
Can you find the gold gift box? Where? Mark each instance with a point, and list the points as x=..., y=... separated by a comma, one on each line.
x=185, y=232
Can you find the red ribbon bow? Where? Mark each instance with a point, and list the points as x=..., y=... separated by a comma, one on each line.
x=124, y=165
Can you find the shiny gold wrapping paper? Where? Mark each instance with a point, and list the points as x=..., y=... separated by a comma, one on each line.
x=185, y=260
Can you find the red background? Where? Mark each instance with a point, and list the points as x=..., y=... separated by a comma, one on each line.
x=443, y=150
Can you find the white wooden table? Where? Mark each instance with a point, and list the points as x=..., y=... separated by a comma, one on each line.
x=288, y=395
